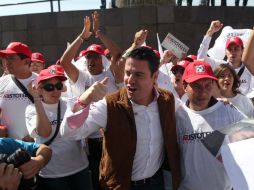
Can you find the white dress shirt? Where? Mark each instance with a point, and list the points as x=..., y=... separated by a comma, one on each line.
x=149, y=153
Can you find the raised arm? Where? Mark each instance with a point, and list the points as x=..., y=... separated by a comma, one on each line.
x=215, y=26
x=248, y=53
x=93, y=94
x=116, y=66
x=65, y=61
x=43, y=126
x=139, y=39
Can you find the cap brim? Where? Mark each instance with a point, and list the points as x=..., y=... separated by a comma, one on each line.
x=195, y=78
x=233, y=43
x=175, y=66
x=7, y=52
x=37, y=60
x=92, y=51
x=61, y=77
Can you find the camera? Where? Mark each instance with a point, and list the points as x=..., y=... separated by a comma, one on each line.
x=18, y=158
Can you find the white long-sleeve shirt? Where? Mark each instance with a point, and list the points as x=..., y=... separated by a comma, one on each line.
x=149, y=148
x=246, y=77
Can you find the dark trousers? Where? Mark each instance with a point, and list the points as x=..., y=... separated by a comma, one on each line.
x=189, y=2
x=244, y=2
x=155, y=183
x=179, y=2
x=208, y=2
x=78, y=181
x=95, y=151
x=223, y=2
x=103, y=3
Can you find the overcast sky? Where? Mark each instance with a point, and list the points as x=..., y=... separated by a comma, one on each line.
x=69, y=5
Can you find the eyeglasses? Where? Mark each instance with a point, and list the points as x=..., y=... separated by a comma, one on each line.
x=51, y=87
x=180, y=70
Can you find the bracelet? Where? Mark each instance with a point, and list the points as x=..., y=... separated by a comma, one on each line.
x=81, y=38
x=81, y=103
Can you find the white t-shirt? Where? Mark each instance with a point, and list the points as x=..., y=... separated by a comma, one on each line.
x=200, y=169
x=77, y=88
x=13, y=103
x=68, y=157
x=85, y=80
x=246, y=77
x=243, y=104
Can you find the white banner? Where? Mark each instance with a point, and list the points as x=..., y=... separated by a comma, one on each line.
x=178, y=48
x=218, y=50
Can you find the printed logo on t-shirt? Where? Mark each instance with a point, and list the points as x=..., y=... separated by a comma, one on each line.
x=16, y=96
x=243, y=81
x=54, y=122
x=189, y=138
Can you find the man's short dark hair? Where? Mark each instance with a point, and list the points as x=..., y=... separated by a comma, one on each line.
x=22, y=56
x=146, y=54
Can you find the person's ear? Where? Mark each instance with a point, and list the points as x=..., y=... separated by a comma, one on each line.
x=184, y=86
x=156, y=74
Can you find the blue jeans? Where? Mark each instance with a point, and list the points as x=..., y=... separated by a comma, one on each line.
x=78, y=181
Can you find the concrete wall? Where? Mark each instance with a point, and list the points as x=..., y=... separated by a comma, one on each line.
x=49, y=32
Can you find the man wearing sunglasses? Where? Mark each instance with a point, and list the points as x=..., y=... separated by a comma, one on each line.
x=177, y=73
x=13, y=101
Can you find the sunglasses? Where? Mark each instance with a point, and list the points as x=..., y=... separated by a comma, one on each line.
x=180, y=70
x=51, y=87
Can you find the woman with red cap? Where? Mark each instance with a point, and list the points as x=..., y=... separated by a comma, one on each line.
x=68, y=168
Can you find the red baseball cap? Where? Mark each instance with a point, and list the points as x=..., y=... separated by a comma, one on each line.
x=51, y=72
x=198, y=70
x=94, y=48
x=182, y=64
x=16, y=47
x=81, y=54
x=38, y=57
x=191, y=58
x=157, y=53
x=234, y=40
